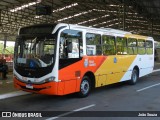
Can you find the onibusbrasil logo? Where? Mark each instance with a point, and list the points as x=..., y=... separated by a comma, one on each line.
x=21, y=114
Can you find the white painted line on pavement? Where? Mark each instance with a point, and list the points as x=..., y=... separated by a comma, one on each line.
x=157, y=63
x=9, y=82
x=13, y=94
x=148, y=87
x=157, y=70
x=67, y=113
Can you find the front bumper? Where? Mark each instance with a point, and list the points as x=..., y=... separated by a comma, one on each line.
x=50, y=88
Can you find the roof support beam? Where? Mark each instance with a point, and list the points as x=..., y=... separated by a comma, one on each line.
x=0, y=19
x=124, y=15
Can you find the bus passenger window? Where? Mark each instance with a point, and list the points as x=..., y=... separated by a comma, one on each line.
x=121, y=44
x=108, y=43
x=93, y=44
x=132, y=46
x=71, y=44
x=141, y=47
x=149, y=47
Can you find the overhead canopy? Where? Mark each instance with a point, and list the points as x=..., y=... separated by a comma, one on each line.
x=136, y=16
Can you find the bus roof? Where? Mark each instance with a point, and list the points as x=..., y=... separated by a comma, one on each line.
x=112, y=31
x=108, y=31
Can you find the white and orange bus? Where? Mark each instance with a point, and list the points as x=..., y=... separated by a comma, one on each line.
x=59, y=59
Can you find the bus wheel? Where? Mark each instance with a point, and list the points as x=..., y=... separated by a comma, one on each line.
x=85, y=87
x=134, y=77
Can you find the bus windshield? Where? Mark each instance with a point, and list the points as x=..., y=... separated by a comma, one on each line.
x=34, y=51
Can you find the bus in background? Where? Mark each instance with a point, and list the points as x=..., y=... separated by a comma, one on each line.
x=59, y=59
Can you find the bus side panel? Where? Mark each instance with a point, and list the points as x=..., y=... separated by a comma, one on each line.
x=73, y=74
x=113, y=69
x=145, y=64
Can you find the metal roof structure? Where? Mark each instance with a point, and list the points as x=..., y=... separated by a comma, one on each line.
x=136, y=16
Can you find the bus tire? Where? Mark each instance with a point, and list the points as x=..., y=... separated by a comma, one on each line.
x=85, y=87
x=134, y=77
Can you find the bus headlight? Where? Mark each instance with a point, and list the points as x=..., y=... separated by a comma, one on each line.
x=50, y=79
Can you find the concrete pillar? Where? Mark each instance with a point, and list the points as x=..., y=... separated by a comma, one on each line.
x=5, y=42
